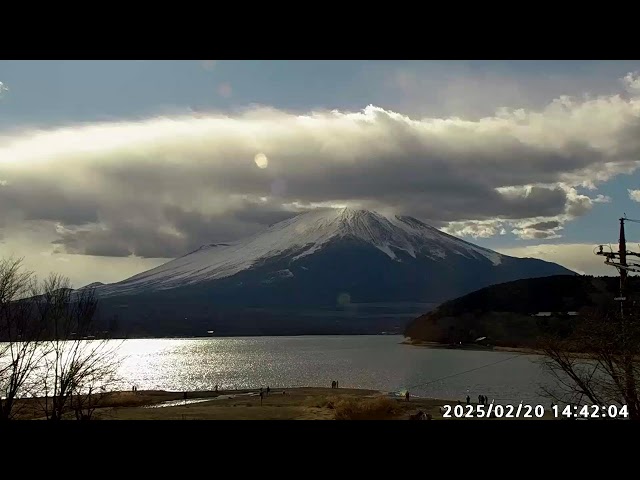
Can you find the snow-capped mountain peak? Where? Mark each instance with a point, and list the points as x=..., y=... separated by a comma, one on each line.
x=301, y=236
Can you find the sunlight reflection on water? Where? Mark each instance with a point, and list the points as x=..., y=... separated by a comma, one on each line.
x=374, y=362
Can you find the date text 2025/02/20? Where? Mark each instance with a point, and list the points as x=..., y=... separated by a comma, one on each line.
x=533, y=411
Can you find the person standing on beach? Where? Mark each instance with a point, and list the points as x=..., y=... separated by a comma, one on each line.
x=406, y=395
x=337, y=384
x=268, y=389
x=333, y=384
x=261, y=396
x=468, y=400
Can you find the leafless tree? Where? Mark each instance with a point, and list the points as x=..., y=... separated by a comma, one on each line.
x=598, y=362
x=79, y=359
x=85, y=402
x=21, y=335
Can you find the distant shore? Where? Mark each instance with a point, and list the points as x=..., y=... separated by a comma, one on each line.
x=120, y=336
x=303, y=403
x=421, y=343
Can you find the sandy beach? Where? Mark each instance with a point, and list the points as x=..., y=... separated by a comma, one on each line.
x=281, y=404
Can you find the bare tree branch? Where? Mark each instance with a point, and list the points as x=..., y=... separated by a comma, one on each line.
x=22, y=337
x=80, y=361
x=598, y=360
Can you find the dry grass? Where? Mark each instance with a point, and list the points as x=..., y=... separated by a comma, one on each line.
x=321, y=401
x=380, y=408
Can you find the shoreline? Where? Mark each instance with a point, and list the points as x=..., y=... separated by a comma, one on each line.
x=477, y=348
x=298, y=403
x=247, y=335
x=480, y=348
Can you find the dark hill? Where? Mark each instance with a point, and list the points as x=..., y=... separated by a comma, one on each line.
x=505, y=313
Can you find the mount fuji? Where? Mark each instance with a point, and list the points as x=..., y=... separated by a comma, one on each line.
x=325, y=271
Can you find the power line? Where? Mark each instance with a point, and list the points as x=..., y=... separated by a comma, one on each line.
x=467, y=371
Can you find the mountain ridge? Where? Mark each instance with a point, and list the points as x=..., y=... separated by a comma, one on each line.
x=302, y=235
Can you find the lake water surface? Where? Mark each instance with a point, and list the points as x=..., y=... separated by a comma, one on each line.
x=372, y=362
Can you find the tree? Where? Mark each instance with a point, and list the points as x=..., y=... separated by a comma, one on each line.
x=22, y=336
x=84, y=403
x=78, y=361
x=598, y=360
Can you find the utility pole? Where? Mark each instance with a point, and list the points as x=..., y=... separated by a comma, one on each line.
x=622, y=252
x=624, y=268
x=622, y=265
x=621, y=255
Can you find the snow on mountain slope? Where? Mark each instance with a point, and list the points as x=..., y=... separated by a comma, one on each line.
x=301, y=236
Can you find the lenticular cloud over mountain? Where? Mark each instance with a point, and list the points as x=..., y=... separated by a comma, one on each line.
x=161, y=186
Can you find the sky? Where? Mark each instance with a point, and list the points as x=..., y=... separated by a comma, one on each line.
x=109, y=168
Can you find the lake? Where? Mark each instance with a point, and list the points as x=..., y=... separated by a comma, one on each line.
x=374, y=362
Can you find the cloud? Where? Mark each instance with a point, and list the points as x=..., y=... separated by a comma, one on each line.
x=31, y=242
x=545, y=225
x=170, y=232
x=163, y=185
x=475, y=229
x=578, y=257
x=491, y=228
x=601, y=199
x=634, y=195
x=632, y=82
x=3, y=89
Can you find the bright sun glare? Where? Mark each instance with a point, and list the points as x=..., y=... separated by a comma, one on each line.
x=261, y=160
